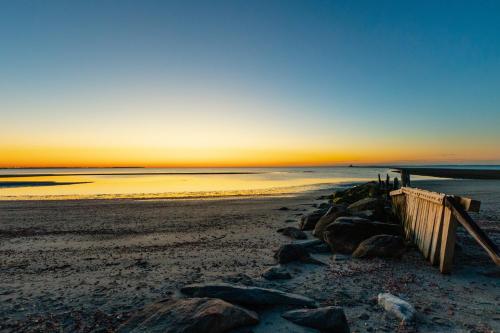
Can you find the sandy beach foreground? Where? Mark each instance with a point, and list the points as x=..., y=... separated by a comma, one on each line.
x=86, y=264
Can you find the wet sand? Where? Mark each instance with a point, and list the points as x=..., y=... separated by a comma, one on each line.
x=86, y=262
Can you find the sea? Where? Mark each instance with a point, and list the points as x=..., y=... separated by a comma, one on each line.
x=147, y=183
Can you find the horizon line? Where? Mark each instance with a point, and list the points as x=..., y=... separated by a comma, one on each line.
x=368, y=165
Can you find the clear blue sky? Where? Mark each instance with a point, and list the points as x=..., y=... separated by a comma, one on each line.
x=339, y=78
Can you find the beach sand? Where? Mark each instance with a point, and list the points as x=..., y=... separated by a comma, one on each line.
x=83, y=263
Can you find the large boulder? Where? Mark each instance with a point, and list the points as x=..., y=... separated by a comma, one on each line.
x=366, y=204
x=331, y=215
x=308, y=222
x=398, y=307
x=254, y=296
x=371, y=208
x=294, y=252
x=383, y=246
x=346, y=233
x=327, y=319
x=190, y=315
x=353, y=194
x=293, y=232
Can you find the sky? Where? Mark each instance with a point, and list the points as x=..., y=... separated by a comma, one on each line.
x=248, y=83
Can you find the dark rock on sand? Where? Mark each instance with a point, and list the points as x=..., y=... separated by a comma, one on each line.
x=366, y=214
x=383, y=246
x=294, y=252
x=276, y=273
x=366, y=204
x=346, y=233
x=324, y=205
x=370, y=208
x=283, y=208
x=310, y=243
x=293, y=232
x=327, y=319
x=247, y=295
x=190, y=315
x=331, y=215
x=308, y=222
x=325, y=197
x=321, y=248
x=356, y=193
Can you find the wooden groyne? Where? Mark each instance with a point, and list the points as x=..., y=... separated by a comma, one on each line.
x=430, y=220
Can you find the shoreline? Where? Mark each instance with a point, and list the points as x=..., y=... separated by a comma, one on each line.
x=201, y=195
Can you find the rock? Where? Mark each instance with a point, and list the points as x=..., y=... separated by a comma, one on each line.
x=366, y=204
x=308, y=222
x=310, y=243
x=276, y=273
x=190, y=315
x=383, y=246
x=324, y=205
x=246, y=295
x=356, y=193
x=283, y=208
x=331, y=215
x=366, y=214
x=346, y=233
x=400, y=308
x=293, y=232
x=294, y=252
x=325, y=197
x=327, y=319
x=321, y=248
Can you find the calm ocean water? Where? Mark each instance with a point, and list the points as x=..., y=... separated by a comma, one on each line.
x=177, y=183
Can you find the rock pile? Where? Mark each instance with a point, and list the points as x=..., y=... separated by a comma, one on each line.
x=356, y=215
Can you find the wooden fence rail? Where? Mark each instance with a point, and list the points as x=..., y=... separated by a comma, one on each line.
x=430, y=220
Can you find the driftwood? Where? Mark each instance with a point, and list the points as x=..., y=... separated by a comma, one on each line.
x=430, y=220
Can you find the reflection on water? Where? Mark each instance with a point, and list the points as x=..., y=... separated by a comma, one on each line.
x=176, y=183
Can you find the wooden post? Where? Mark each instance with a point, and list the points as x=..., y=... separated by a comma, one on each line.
x=448, y=237
x=405, y=178
x=379, y=182
x=396, y=183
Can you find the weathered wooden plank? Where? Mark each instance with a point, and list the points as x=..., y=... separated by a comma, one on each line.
x=418, y=230
x=469, y=205
x=420, y=221
x=429, y=226
x=412, y=222
x=436, y=237
x=425, y=230
x=448, y=236
x=426, y=195
x=406, y=222
x=396, y=192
